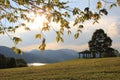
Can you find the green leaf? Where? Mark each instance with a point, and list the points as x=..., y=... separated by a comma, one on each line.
x=38, y=36
x=17, y=40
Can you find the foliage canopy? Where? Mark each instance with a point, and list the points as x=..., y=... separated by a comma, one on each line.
x=101, y=44
x=14, y=13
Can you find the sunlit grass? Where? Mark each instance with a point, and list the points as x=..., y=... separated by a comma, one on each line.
x=79, y=69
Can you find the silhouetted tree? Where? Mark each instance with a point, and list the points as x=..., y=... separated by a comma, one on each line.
x=100, y=42
x=21, y=63
x=110, y=52
x=2, y=61
x=11, y=62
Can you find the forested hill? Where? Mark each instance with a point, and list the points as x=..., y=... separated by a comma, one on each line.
x=36, y=56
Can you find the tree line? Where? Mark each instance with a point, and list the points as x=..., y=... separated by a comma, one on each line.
x=10, y=62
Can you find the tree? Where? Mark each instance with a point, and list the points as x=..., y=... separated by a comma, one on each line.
x=21, y=63
x=2, y=61
x=110, y=52
x=14, y=12
x=100, y=42
x=11, y=62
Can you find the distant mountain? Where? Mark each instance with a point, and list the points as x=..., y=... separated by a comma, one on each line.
x=47, y=56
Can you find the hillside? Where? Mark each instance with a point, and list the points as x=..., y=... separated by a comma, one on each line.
x=36, y=56
x=79, y=69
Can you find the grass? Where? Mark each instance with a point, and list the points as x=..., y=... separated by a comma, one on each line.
x=79, y=69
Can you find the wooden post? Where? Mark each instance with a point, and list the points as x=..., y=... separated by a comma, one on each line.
x=79, y=55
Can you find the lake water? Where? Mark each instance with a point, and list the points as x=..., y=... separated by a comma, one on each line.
x=36, y=64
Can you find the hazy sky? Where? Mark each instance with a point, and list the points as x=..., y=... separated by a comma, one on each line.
x=110, y=23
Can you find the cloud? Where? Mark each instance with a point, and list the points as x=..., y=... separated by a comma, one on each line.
x=56, y=46
x=114, y=30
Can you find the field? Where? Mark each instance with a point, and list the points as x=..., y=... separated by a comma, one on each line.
x=79, y=69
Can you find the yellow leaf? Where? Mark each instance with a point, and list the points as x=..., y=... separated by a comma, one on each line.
x=16, y=50
x=58, y=33
x=57, y=38
x=80, y=26
x=76, y=35
x=99, y=5
x=56, y=1
x=62, y=40
x=38, y=36
x=42, y=46
x=118, y=1
x=17, y=40
x=69, y=32
x=2, y=32
x=27, y=28
x=112, y=5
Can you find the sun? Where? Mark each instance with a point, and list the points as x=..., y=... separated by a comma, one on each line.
x=38, y=22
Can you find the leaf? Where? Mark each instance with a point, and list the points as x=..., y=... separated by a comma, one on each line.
x=38, y=2
x=76, y=35
x=104, y=11
x=38, y=36
x=56, y=1
x=86, y=9
x=17, y=40
x=46, y=28
x=57, y=39
x=7, y=3
x=112, y=5
x=62, y=40
x=16, y=50
x=27, y=28
x=69, y=32
x=22, y=24
x=76, y=11
x=118, y=1
x=79, y=30
x=42, y=46
x=99, y=5
x=80, y=26
x=2, y=32
x=58, y=33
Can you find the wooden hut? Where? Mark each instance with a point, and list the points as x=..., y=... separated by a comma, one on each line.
x=85, y=54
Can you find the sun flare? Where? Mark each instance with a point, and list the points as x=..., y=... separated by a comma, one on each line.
x=38, y=22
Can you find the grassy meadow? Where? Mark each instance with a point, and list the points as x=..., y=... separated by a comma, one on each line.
x=79, y=69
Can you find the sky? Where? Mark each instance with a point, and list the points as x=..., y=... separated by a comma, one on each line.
x=110, y=24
